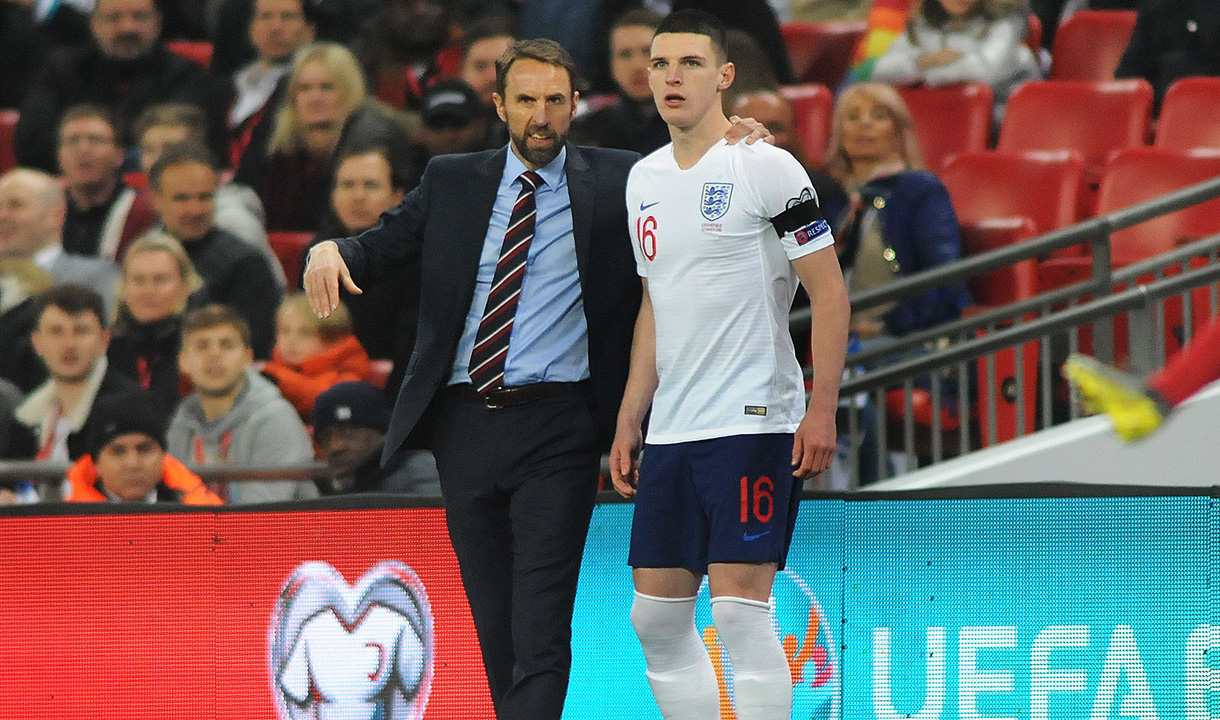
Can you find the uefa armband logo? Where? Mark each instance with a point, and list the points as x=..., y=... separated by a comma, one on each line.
x=812, y=231
x=807, y=637
x=343, y=652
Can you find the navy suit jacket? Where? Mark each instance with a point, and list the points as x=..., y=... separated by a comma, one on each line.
x=444, y=223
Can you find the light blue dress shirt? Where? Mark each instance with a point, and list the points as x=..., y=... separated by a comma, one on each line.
x=550, y=339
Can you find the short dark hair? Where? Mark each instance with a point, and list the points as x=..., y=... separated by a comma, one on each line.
x=540, y=49
x=176, y=154
x=215, y=315
x=73, y=300
x=698, y=22
x=489, y=26
x=638, y=17
x=172, y=115
x=399, y=170
x=89, y=110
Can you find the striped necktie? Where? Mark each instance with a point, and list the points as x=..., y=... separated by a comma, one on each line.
x=491, y=343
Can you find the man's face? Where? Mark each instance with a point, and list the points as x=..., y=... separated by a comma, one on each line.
x=27, y=224
x=686, y=78
x=538, y=105
x=346, y=446
x=417, y=24
x=185, y=199
x=363, y=190
x=278, y=28
x=69, y=345
x=479, y=67
x=125, y=29
x=776, y=114
x=158, y=137
x=630, y=51
x=129, y=466
x=215, y=359
x=89, y=153
x=452, y=136
x=153, y=288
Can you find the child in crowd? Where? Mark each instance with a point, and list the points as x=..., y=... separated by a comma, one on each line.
x=311, y=353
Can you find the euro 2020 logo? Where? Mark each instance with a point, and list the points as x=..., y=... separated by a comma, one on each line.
x=808, y=642
x=342, y=652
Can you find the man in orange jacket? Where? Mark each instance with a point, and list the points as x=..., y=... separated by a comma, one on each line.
x=127, y=461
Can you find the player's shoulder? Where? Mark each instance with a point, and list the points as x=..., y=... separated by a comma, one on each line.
x=759, y=153
x=658, y=160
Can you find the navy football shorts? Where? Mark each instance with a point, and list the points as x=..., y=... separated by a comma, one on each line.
x=724, y=500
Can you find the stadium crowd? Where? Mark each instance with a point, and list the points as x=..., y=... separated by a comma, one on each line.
x=173, y=161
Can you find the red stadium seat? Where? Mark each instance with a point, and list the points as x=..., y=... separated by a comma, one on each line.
x=822, y=52
x=1006, y=285
x=813, y=105
x=289, y=248
x=1190, y=115
x=1089, y=44
x=1096, y=119
x=949, y=119
x=8, y=123
x=1039, y=185
x=198, y=50
x=1033, y=34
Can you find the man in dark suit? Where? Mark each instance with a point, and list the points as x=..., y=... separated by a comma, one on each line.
x=528, y=245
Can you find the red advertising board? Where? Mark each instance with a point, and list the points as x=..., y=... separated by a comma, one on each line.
x=133, y=616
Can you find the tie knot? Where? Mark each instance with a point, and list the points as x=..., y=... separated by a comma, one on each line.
x=531, y=180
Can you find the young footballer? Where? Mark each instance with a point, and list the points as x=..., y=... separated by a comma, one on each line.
x=722, y=233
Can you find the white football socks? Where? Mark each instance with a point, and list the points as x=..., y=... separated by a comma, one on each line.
x=680, y=670
x=762, y=681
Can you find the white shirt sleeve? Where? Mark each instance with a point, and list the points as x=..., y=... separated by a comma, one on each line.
x=785, y=196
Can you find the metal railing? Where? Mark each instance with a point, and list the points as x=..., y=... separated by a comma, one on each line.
x=959, y=414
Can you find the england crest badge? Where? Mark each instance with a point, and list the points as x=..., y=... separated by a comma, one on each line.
x=715, y=200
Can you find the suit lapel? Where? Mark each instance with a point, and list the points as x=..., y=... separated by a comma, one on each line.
x=581, y=193
x=475, y=203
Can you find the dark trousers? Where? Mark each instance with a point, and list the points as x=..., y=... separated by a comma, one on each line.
x=519, y=485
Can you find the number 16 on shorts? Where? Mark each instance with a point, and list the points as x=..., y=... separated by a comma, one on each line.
x=757, y=499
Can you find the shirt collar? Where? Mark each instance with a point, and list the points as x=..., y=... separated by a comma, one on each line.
x=552, y=173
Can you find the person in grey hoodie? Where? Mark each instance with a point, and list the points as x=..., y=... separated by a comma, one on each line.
x=235, y=415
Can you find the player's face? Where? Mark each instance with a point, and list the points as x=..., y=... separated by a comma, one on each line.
x=686, y=78
x=185, y=199
x=479, y=67
x=363, y=190
x=868, y=130
x=130, y=466
x=69, y=345
x=215, y=359
x=538, y=105
x=153, y=288
x=630, y=51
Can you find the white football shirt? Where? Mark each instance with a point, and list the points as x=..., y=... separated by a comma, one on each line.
x=721, y=284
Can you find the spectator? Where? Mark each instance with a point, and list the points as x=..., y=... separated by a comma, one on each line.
x=405, y=47
x=485, y=40
x=453, y=121
x=312, y=353
x=278, y=29
x=349, y=425
x=126, y=459
x=955, y=41
x=126, y=69
x=70, y=337
x=32, y=211
x=235, y=414
x=384, y=316
x=238, y=209
x=899, y=220
x=157, y=281
x=104, y=214
x=632, y=122
x=886, y=21
x=1172, y=39
x=183, y=183
x=289, y=162
x=21, y=280
x=334, y=20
